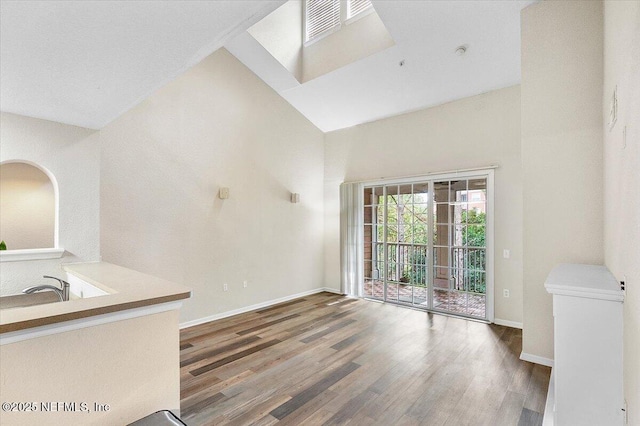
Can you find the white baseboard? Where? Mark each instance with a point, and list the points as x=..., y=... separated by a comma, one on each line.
x=256, y=306
x=536, y=359
x=547, y=419
x=508, y=323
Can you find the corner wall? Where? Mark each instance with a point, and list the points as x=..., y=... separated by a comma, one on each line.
x=280, y=34
x=355, y=40
x=473, y=132
x=622, y=178
x=562, y=46
x=163, y=163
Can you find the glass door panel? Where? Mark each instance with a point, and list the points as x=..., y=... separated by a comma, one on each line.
x=373, y=242
x=459, y=284
x=396, y=246
x=425, y=245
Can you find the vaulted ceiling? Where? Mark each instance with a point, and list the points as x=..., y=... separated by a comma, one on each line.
x=85, y=63
x=426, y=34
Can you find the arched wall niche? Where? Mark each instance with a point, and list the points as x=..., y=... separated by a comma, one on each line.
x=29, y=206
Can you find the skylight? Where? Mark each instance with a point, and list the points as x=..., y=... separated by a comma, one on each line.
x=322, y=17
x=355, y=7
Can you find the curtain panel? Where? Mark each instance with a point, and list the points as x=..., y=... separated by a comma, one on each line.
x=351, y=238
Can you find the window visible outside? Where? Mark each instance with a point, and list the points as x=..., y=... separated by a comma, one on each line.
x=322, y=17
x=356, y=7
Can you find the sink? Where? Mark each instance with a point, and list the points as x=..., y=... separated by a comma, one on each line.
x=22, y=300
x=79, y=289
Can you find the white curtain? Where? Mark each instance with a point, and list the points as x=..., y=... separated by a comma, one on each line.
x=351, y=238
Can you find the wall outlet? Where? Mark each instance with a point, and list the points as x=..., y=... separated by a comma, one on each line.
x=623, y=284
x=505, y=293
x=506, y=253
x=225, y=286
x=245, y=283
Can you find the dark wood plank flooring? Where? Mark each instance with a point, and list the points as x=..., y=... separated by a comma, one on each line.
x=330, y=360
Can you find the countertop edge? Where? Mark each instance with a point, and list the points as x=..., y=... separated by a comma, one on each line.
x=128, y=289
x=581, y=280
x=91, y=312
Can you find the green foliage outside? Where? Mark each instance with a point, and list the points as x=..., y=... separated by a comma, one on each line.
x=407, y=223
x=476, y=222
x=474, y=260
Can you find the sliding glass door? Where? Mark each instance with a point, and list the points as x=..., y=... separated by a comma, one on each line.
x=425, y=244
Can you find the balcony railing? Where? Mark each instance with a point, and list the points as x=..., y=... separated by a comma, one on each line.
x=408, y=264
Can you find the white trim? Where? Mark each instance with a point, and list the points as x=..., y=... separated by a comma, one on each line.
x=30, y=254
x=490, y=244
x=549, y=419
x=536, y=359
x=507, y=323
x=447, y=174
x=587, y=293
x=260, y=305
x=63, y=327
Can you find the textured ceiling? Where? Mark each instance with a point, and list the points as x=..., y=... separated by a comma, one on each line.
x=87, y=62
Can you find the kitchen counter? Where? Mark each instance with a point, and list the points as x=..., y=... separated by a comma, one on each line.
x=115, y=345
x=127, y=289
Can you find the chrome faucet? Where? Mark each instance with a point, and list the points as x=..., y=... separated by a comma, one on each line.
x=62, y=292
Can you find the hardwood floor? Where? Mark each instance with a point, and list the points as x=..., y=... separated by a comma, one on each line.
x=331, y=360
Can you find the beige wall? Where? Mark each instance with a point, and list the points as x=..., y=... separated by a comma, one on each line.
x=132, y=365
x=72, y=155
x=622, y=177
x=28, y=206
x=280, y=33
x=561, y=151
x=163, y=163
x=473, y=132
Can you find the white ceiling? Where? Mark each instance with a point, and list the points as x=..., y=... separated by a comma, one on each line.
x=87, y=62
x=427, y=34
